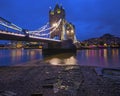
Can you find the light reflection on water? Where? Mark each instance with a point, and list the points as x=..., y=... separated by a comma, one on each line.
x=10, y=57
x=98, y=57
x=61, y=59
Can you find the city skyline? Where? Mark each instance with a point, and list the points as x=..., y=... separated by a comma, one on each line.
x=91, y=18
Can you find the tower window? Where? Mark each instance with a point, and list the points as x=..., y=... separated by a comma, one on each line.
x=52, y=12
x=58, y=11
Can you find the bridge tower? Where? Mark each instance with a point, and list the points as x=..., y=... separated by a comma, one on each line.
x=54, y=16
x=70, y=31
x=66, y=30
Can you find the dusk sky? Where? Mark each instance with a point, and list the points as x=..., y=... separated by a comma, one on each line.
x=92, y=18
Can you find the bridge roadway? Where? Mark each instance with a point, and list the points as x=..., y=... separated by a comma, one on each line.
x=4, y=35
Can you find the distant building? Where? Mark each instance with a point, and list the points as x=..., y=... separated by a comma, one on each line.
x=54, y=16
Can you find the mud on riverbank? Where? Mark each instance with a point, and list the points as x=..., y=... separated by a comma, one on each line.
x=49, y=80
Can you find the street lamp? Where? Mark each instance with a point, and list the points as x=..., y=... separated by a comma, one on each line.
x=54, y=25
x=72, y=31
x=67, y=32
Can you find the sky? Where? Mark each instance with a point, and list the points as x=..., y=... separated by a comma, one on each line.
x=92, y=18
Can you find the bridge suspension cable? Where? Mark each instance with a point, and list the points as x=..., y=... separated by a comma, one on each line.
x=10, y=25
x=43, y=29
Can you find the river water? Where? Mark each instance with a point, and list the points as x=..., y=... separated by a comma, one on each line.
x=94, y=57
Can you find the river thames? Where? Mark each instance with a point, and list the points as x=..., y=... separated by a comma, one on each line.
x=94, y=57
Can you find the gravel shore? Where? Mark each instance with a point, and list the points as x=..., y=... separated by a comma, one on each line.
x=49, y=80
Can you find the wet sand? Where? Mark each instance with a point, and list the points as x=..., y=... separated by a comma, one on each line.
x=56, y=80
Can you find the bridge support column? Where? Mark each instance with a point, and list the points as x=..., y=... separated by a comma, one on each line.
x=54, y=45
x=63, y=47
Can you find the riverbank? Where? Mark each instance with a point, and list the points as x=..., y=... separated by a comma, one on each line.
x=49, y=80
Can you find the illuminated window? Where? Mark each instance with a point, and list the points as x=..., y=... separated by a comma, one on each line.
x=58, y=11
x=52, y=12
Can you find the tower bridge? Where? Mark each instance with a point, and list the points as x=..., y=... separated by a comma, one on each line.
x=58, y=33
